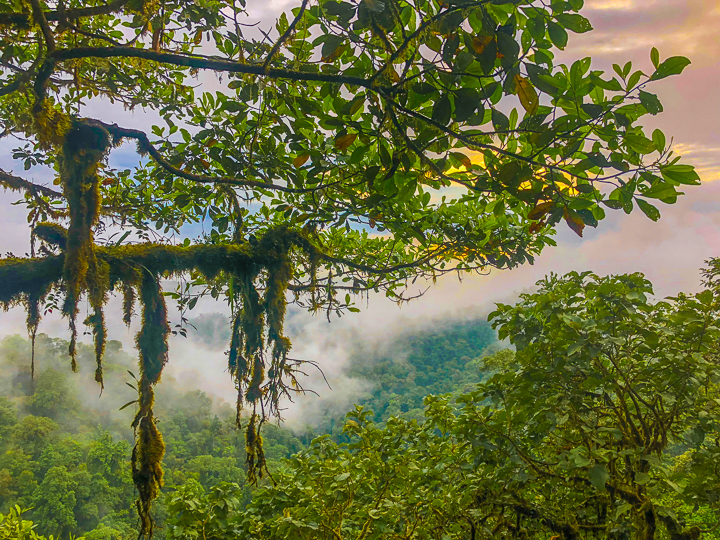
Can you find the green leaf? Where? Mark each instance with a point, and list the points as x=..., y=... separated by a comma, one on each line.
x=442, y=110
x=527, y=94
x=466, y=102
x=612, y=85
x=331, y=44
x=374, y=5
x=661, y=191
x=655, y=57
x=639, y=143
x=658, y=138
x=558, y=35
x=672, y=66
x=648, y=209
x=650, y=102
x=599, y=476
x=682, y=174
x=500, y=121
x=574, y=22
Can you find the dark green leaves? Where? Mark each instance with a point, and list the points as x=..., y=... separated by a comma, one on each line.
x=442, y=110
x=599, y=475
x=466, y=103
x=672, y=66
x=648, y=209
x=574, y=22
x=650, y=102
x=500, y=121
x=558, y=35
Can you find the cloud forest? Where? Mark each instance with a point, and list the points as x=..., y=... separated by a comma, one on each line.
x=353, y=150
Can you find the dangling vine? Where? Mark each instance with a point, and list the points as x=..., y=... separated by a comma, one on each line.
x=149, y=446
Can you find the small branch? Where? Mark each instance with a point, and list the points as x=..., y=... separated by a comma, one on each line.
x=146, y=146
x=44, y=26
x=285, y=35
x=19, y=184
x=21, y=19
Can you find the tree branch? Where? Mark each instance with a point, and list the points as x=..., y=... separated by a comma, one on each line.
x=204, y=62
x=40, y=19
x=21, y=19
x=146, y=146
x=19, y=184
x=285, y=35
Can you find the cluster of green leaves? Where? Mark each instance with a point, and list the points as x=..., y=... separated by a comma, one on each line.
x=353, y=119
x=605, y=424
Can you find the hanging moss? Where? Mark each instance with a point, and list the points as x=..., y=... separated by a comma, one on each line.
x=257, y=326
x=256, y=462
x=96, y=321
x=33, y=321
x=128, y=304
x=149, y=447
x=53, y=235
x=237, y=364
x=85, y=145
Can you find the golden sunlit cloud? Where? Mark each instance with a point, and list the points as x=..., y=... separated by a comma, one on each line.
x=615, y=4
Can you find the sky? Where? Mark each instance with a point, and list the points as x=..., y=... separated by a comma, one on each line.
x=669, y=252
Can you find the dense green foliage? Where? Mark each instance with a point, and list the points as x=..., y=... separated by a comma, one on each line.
x=439, y=357
x=604, y=425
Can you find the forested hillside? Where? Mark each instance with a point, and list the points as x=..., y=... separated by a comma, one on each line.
x=437, y=358
x=64, y=450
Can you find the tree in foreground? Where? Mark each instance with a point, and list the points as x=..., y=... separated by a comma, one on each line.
x=604, y=425
x=354, y=147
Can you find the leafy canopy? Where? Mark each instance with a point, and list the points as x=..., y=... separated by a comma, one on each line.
x=355, y=147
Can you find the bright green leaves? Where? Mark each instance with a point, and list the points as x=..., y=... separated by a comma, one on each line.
x=682, y=174
x=596, y=378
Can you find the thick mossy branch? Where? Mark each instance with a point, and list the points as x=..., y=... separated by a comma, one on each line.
x=19, y=276
x=28, y=276
x=152, y=344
